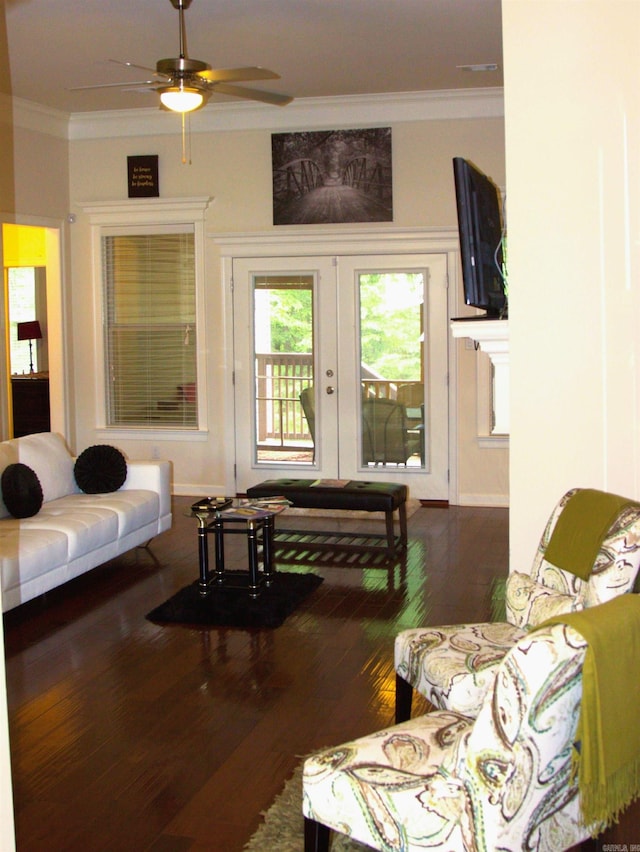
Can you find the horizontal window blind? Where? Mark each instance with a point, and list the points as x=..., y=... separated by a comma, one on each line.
x=150, y=330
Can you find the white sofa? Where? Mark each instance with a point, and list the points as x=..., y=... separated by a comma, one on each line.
x=74, y=532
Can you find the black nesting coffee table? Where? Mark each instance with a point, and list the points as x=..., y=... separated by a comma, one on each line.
x=218, y=516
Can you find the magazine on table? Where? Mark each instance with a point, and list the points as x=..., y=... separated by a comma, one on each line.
x=260, y=508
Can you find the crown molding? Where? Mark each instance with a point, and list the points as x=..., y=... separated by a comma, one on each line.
x=29, y=115
x=304, y=113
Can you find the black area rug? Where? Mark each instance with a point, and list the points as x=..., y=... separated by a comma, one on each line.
x=231, y=606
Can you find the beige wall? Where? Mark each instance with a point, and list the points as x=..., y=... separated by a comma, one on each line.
x=41, y=175
x=6, y=123
x=41, y=167
x=483, y=478
x=573, y=174
x=234, y=167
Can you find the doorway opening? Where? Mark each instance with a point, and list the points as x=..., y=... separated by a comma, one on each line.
x=31, y=287
x=27, y=304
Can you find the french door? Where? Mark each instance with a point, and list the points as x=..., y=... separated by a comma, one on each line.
x=340, y=369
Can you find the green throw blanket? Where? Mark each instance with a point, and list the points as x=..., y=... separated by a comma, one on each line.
x=581, y=528
x=607, y=754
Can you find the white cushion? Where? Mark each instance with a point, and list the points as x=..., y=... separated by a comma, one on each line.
x=47, y=455
x=28, y=554
x=133, y=509
x=85, y=529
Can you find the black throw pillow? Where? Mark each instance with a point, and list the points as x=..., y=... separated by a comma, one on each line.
x=100, y=469
x=21, y=490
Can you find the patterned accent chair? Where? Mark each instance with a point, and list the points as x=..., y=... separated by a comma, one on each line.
x=454, y=666
x=443, y=781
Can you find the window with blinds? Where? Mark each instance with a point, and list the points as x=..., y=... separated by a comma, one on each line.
x=150, y=330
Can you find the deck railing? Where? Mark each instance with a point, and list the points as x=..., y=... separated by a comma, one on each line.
x=280, y=379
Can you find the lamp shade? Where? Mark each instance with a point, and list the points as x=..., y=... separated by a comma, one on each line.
x=29, y=330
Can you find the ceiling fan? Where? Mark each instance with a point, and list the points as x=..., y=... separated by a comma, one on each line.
x=186, y=84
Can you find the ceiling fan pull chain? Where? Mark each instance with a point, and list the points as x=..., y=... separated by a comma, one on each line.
x=186, y=138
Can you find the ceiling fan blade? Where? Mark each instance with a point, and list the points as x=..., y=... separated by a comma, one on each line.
x=139, y=67
x=223, y=75
x=123, y=86
x=252, y=94
x=142, y=88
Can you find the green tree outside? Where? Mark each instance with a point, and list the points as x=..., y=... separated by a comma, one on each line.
x=390, y=321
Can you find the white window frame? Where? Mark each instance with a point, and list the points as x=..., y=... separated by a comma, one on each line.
x=135, y=217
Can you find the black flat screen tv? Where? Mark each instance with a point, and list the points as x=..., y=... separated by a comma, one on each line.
x=481, y=231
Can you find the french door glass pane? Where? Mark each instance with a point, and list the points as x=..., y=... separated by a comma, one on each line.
x=283, y=345
x=392, y=369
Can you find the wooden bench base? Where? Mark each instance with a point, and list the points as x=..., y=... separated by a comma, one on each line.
x=348, y=495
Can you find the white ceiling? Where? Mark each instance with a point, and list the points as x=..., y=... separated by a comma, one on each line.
x=320, y=48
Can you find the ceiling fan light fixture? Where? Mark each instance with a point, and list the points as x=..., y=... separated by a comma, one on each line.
x=182, y=98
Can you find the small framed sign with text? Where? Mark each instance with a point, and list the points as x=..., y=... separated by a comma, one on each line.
x=143, y=176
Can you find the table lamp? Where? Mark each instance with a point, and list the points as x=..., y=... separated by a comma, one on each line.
x=30, y=331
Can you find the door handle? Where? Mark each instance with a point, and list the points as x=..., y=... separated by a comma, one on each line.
x=330, y=389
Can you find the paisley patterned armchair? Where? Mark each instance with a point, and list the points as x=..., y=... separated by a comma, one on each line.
x=453, y=666
x=444, y=781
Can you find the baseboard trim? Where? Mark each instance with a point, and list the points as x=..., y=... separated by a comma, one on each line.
x=494, y=501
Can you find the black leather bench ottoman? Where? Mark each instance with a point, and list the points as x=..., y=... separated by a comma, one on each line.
x=387, y=497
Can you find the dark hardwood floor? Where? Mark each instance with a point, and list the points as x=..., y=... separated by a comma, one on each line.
x=129, y=736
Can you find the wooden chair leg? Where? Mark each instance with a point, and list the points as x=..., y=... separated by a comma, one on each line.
x=316, y=836
x=404, y=697
x=391, y=533
x=402, y=516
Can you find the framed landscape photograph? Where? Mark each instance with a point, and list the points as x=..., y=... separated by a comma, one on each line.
x=332, y=176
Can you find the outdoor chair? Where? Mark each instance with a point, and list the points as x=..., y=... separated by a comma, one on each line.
x=308, y=403
x=386, y=437
x=454, y=666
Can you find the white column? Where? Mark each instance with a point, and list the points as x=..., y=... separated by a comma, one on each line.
x=492, y=336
